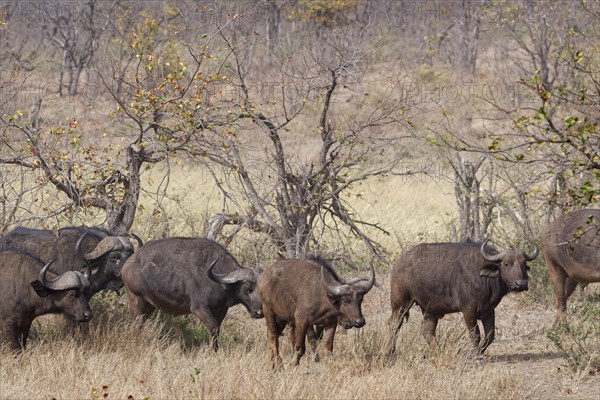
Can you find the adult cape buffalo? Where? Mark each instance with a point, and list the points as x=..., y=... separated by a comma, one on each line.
x=189, y=275
x=74, y=248
x=443, y=278
x=571, y=247
x=26, y=292
x=308, y=293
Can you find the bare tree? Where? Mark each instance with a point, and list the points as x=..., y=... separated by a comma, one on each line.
x=475, y=205
x=554, y=128
x=75, y=29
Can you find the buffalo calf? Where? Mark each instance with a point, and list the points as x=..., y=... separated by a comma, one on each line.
x=309, y=295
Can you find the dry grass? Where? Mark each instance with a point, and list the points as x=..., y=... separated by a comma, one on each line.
x=117, y=359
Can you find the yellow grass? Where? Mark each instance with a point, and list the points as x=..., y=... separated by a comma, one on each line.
x=119, y=360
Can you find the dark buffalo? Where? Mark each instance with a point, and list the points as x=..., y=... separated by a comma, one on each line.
x=27, y=292
x=571, y=247
x=311, y=297
x=444, y=278
x=76, y=248
x=189, y=275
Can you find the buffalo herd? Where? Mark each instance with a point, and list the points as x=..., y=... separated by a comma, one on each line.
x=58, y=271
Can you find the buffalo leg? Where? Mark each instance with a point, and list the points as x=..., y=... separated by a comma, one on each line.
x=558, y=277
x=273, y=332
x=328, y=336
x=12, y=334
x=213, y=324
x=300, y=345
x=292, y=332
x=314, y=334
x=489, y=329
x=139, y=306
x=570, y=286
x=429, y=326
x=24, y=328
x=399, y=314
x=470, y=318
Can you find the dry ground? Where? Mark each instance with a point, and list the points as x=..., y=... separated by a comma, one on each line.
x=119, y=360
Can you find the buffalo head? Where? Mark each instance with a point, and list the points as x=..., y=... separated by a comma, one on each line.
x=107, y=259
x=242, y=282
x=510, y=264
x=66, y=292
x=347, y=298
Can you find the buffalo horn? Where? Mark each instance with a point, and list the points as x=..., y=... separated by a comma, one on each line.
x=356, y=280
x=335, y=290
x=365, y=287
x=106, y=245
x=534, y=253
x=65, y=281
x=490, y=257
x=139, y=239
x=78, y=244
x=227, y=279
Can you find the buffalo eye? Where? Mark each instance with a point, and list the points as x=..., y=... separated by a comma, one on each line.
x=115, y=257
x=346, y=301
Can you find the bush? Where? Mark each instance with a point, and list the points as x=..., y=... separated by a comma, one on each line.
x=540, y=288
x=577, y=338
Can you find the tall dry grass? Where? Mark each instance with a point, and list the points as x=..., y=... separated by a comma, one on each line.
x=118, y=359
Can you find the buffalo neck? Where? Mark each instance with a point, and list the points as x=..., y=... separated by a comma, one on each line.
x=497, y=289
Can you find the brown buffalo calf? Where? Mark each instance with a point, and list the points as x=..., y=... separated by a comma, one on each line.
x=305, y=294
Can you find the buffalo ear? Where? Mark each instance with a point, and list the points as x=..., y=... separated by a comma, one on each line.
x=490, y=270
x=40, y=289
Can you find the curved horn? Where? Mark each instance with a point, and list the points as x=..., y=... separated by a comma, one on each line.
x=365, y=287
x=534, y=253
x=67, y=280
x=356, y=280
x=227, y=279
x=139, y=239
x=42, y=276
x=334, y=290
x=107, y=244
x=490, y=257
x=78, y=244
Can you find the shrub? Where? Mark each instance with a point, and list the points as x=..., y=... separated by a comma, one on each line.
x=577, y=338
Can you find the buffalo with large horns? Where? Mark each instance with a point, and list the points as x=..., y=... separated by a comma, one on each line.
x=26, y=292
x=189, y=275
x=76, y=248
x=443, y=278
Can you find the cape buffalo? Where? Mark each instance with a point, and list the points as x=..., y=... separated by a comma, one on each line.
x=571, y=247
x=76, y=248
x=311, y=297
x=189, y=275
x=444, y=278
x=27, y=292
